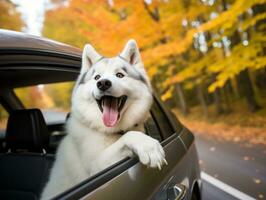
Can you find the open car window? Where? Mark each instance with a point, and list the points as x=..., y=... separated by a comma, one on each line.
x=152, y=129
x=53, y=100
x=162, y=121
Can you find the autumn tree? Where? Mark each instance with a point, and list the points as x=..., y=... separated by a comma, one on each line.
x=186, y=45
x=9, y=16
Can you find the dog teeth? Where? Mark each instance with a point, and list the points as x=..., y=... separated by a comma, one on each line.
x=102, y=102
x=119, y=102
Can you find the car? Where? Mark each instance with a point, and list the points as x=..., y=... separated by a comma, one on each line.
x=29, y=142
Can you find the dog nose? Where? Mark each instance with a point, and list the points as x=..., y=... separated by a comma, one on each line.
x=104, y=84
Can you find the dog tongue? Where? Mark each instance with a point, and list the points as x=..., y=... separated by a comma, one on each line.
x=110, y=112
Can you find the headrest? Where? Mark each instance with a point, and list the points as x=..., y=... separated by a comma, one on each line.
x=27, y=130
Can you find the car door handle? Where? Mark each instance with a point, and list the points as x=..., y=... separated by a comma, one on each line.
x=177, y=192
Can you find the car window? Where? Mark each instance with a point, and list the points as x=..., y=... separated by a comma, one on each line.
x=162, y=120
x=52, y=99
x=3, y=120
x=152, y=129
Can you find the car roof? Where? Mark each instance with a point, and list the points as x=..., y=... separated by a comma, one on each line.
x=17, y=40
x=29, y=60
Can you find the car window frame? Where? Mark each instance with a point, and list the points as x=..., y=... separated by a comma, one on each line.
x=157, y=127
x=164, y=133
x=173, y=121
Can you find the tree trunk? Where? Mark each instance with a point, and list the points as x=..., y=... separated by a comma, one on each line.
x=244, y=82
x=235, y=88
x=247, y=90
x=202, y=100
x=182, y=100
x=217, y=101
x=261, y=80
x=227, y=94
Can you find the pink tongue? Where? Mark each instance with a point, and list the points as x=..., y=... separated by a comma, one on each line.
x=110, y=113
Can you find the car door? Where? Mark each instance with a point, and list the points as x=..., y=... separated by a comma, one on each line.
x=129, y=179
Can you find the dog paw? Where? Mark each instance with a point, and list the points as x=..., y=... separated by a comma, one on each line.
x=151, y=153
x=149, y=150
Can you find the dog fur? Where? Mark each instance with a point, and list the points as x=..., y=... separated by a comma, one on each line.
x=90, y=146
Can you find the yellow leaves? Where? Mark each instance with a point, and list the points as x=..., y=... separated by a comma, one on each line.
x=103, y=26
x=252, y=21
x=34, y=97
x=174, y=79
x=60, y=93
x=167, y=40
x=192, y=70
x=152, y=71
x=167, y=94
x=55, y=95
x=171, y=48
x=259, y=63
x=241, y=57
x=225, y=68
x=228, y=18
x=217, y=84
x=9, y=17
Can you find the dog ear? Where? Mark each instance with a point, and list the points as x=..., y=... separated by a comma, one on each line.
x=131, y=52
x=89, y=57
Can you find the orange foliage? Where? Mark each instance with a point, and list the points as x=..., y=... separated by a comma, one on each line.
x=164, y=31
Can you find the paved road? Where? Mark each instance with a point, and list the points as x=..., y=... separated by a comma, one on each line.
x=211, y=192
x=241, y=166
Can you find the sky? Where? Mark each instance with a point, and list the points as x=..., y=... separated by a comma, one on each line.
x=32, y=12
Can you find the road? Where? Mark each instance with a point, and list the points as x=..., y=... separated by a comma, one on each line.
x=211, y=192
x=239, y=168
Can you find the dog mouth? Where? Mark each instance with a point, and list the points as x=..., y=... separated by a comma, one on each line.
x=111, y=107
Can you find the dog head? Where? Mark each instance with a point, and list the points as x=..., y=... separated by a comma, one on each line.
x=112, y=94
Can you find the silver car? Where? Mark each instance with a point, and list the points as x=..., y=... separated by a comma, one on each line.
x=27, y=60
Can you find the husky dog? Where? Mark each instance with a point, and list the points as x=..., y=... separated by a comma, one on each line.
x=111, y=96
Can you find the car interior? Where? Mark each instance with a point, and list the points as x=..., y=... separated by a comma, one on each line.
x=28, y=145
x=24, y=162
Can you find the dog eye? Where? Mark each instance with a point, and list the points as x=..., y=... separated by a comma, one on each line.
x=119, y=75
x=97, y=77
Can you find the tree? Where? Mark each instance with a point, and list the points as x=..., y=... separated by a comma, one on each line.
x=191, y=38
x=9, y=17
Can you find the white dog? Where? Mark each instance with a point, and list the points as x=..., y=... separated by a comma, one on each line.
x=112, y=95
